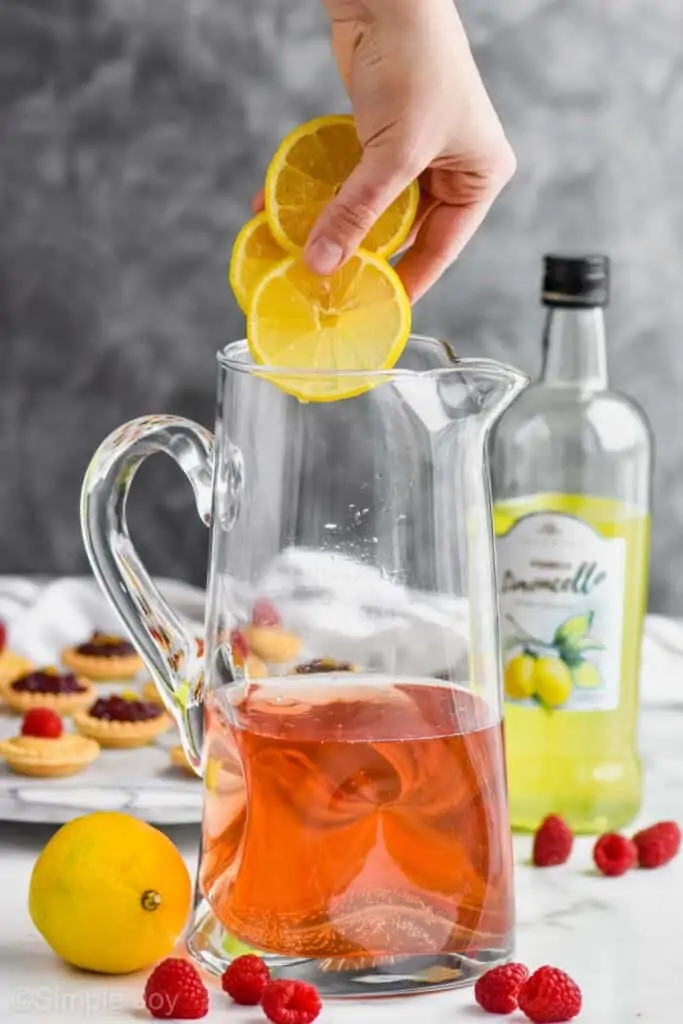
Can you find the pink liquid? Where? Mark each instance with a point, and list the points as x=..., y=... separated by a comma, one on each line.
x=375, y=824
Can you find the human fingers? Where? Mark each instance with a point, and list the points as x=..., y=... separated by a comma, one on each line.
x=258, y=203
x=443, y=235
x=376, y=181
x=425, y=205
x=465, y=197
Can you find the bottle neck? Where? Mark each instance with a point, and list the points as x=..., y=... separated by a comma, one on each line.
x=574, y=351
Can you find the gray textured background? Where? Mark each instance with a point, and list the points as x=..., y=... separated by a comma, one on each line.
x=132, y=134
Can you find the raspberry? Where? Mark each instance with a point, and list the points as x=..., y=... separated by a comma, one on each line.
x=265, y=613
x=658, y=844
x=550, y=996
x=3, y=636
x=290, y=1002
x=553, y=842
x=497, y=990
x=175, y=991
x=239, y=647
x=42, y=722
x=614, y=854
x=245, y=979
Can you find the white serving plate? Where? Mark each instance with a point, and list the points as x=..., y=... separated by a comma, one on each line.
x=140, y=782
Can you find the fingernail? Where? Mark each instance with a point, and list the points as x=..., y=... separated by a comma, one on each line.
x=323, y=256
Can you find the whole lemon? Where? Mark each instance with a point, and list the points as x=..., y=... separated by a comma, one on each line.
x=587, y=676
x=110, y=893
x=519, y=677
x=553, y=681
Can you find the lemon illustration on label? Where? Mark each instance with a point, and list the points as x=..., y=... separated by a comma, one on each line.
x=587, y=676
x=553, y=682
x=519, y=677
x=545, y=671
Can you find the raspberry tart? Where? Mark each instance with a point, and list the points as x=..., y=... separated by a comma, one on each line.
x=44, y=750
x=242, y=656
x=119, y=722
x=63, y=692
x=272, y=644
x=103, y=658
x=266, y=637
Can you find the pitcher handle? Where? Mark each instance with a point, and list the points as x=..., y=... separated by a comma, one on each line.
x=168, y=649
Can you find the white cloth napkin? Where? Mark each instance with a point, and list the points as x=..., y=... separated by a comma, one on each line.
x=345, y=608
x=45, y=616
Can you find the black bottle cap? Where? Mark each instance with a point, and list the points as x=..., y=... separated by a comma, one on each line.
x=575, y=280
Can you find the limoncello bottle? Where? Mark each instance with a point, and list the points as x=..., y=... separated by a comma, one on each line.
x=571, y=466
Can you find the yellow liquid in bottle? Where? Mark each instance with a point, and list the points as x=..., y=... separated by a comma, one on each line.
x=572, y=749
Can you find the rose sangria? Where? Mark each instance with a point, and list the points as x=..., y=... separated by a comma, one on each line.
x=375, y=824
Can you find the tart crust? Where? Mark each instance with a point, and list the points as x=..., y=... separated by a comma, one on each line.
x=151, y=694
x=179, y=760
x=100, y=669
x=63, y=703
x=48, y=758
x=255, y=667
x=121, y=735
x=271, y=643
x=12, y=666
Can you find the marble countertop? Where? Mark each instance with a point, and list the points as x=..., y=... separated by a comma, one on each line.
x=621, y=939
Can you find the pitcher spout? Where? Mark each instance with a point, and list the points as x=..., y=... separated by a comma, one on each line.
x=491, y=387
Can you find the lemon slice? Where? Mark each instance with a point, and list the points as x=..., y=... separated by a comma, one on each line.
x=254, y=254
x=308, y=169
x=357, y=320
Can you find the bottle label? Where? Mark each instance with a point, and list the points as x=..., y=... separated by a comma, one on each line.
x=562, y=608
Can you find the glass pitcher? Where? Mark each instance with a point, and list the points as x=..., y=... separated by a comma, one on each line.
x=345, y=713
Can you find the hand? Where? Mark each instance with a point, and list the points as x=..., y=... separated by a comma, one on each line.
x=421, y=110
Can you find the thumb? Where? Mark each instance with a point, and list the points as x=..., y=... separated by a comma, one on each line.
x=376, y=181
